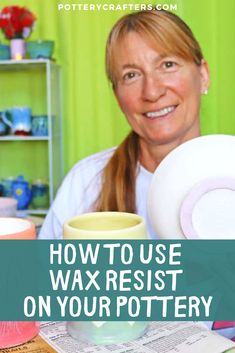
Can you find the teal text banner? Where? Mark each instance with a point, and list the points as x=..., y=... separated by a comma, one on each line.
x=117, y=280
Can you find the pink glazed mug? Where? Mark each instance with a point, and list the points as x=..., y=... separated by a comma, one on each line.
x=13, y=333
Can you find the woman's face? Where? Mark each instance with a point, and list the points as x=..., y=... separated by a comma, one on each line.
x=160, y=96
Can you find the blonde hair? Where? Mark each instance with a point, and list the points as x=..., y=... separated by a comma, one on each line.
x=169, y=35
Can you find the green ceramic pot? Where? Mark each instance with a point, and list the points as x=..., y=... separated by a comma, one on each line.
x=5, y=52
x=40, y=49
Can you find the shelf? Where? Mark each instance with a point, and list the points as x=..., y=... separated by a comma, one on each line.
x=24, y=64
x=25, y=213
x=24, y=138
x=34, y=83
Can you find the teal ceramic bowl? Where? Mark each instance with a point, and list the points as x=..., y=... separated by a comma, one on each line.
x=5, y=52
x=40, y=49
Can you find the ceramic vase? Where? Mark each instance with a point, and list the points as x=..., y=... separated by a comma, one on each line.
x=17, y=49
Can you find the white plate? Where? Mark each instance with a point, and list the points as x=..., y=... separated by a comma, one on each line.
x=192, y=193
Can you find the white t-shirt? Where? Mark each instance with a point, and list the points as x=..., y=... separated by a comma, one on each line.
x=80, y=189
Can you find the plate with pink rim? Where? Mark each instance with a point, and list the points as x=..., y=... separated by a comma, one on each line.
x=192, y=193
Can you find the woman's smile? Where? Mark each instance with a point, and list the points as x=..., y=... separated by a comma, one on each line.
x=160, y=113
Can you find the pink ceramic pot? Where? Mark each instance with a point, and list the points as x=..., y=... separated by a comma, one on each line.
x=13, y=333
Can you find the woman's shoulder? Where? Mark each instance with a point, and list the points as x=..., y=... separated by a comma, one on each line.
x=93, y=163
x=84, y=176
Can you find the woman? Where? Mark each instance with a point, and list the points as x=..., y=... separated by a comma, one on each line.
x=158, y=75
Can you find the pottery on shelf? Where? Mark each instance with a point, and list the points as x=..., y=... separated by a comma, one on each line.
x=40, y=49
x=5, y=52
x=18, y=49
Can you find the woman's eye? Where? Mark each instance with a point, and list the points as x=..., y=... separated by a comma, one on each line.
x=168, y=65
x=130, y=75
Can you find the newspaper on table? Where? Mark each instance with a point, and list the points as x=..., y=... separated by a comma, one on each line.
x=161, y=337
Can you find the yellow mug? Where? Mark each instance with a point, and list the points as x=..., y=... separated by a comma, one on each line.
x=108, y=226
x=105, y=225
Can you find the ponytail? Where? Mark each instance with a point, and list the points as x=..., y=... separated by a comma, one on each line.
x=119, y=178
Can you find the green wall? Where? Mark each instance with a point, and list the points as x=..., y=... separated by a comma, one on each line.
x=91, y=118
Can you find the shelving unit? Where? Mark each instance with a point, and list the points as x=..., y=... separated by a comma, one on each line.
x=24, y=138
x=35, y=84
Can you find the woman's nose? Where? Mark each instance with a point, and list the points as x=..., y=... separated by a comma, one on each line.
x=153, y=89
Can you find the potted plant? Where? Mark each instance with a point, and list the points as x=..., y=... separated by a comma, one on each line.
x=17, y=23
